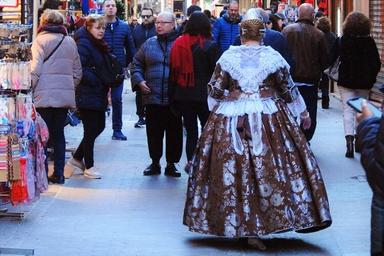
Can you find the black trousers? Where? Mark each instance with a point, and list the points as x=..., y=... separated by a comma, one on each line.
x=140, y=110
x=324, y=86
x=191, y=111
x=309, y=94
x=161, y=120
x=55, y=120
x=93, y=124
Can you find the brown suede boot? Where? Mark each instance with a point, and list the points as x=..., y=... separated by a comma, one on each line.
x=350, y=149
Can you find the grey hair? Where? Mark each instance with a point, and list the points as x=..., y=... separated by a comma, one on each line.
x=168, y=15
x=256, y=13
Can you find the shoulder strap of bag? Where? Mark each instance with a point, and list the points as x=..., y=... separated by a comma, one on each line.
x=57, y=46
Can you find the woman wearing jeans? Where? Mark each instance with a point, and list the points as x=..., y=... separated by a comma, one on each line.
x=91, y=94
x=55, y=70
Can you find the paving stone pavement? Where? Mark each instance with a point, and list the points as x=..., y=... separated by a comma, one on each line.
x=126, y=213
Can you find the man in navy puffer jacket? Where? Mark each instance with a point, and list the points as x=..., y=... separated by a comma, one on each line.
x=370, y=141
x=119, y=38
x=141, y=33
x=226, y=28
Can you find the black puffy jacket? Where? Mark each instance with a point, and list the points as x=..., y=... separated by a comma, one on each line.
x=371, y=143
x=91, y=92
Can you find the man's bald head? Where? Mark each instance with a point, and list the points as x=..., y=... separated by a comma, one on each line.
x=306, y=11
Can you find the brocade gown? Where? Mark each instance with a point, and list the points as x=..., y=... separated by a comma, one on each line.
x=253, y=172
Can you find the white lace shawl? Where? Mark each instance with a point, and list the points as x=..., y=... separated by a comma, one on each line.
x=250, y=66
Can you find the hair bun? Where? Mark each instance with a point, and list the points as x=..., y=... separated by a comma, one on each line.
x=252, y=29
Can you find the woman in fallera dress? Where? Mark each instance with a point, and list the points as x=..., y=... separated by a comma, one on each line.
x=253, y=172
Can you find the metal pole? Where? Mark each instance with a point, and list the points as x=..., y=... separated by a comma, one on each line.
x=126, y=10
x=35, y=18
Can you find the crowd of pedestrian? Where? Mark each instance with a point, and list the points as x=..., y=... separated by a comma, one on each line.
x=250, y=82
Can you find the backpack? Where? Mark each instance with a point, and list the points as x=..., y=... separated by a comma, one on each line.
x=112, y=74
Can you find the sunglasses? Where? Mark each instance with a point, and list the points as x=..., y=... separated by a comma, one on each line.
x=146, y=16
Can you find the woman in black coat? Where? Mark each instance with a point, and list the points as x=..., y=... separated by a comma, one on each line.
x=370, y=141
x=193, y=59
x=359, y=66
x=91, y=94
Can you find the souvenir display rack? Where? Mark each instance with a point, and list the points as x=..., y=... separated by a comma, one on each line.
x=22, y=131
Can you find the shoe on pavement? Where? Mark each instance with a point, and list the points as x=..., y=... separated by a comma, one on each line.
x=76, y=164
x=171, y=170
x=56, y=179
x=92, y=173
x=118, y=135
x=152, y=169
x=188, y=167
x=141, y=122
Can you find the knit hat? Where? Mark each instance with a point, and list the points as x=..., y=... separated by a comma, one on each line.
x=193, y=8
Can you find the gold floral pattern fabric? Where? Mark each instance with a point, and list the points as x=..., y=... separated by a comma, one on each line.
x=238, y=195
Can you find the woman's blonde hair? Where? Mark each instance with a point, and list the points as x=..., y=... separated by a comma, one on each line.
x=92, y=19
x=51, y=16
x=252, y=29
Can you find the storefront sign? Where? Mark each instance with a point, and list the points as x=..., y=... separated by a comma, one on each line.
x=9, y=3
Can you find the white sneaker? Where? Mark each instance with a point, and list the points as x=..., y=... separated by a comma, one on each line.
x=76, y=164
x=92, y=173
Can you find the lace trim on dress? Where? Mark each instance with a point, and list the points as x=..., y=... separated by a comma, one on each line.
x=251, y=65
x=254, y=108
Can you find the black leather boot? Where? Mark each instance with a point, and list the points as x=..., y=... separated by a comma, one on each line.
x=350, y=149
x=357, y=149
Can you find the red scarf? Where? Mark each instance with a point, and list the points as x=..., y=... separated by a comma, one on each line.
x=181, y=59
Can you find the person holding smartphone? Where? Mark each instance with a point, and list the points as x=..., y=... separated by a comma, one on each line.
x=370, y=141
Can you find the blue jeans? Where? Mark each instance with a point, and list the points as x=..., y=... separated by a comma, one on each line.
x=117, y=107
x=55, y=120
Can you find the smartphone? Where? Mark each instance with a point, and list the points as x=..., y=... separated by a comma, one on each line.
x=355, y=103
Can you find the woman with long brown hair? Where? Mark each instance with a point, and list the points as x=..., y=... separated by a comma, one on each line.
x=193, y=59
x=359, y=66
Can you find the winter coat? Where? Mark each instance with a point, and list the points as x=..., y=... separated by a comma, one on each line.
x=370, y=141
x=141, y=33
x=309, y=51
x=151, y=63
x=359, y=61
x=277, y=41
x=91, y=93
x=224, y=32
x=54, y=81
x=204, y=62
x=119, y=38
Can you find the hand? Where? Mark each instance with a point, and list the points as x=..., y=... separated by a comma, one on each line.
x=365, y=112
x=305, y=120
x=144, y=87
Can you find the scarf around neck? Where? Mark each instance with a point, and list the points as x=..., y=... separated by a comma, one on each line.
x=181, y=59
x=53, y=28
x=99, y=43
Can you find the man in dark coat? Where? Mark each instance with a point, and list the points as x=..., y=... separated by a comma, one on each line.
x=370, y=141
x=140, y=34
x=150, y=74
x=310, y=54
x=119, y=38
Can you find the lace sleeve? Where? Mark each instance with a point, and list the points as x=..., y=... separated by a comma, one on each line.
x=219, y=84
x=289, y=92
